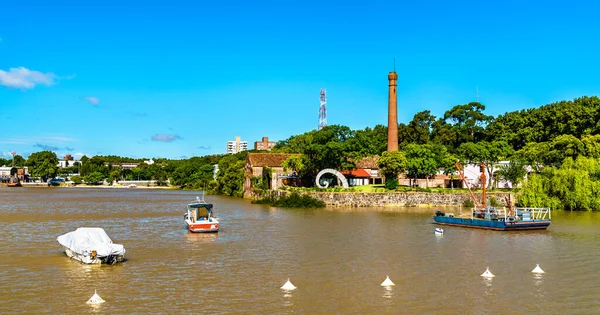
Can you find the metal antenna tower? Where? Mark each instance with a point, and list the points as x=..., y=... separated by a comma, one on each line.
x=323, y=110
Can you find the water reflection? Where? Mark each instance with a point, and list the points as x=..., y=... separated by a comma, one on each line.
x=96, y=308
x=487, y=281
x=388, y=292
x=537, y=279
x=287, y=295
x=201, y=238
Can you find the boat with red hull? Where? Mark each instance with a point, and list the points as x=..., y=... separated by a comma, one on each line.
x=496, y=218
x=200, y=218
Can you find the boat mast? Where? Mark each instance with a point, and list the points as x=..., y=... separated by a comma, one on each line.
x=462, y=176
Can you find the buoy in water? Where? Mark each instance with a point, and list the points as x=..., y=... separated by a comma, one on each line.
x=95, y=299
x=537, y=269
x=288, y=286
x=487, y=273
x=387, y=282
x=439, y=231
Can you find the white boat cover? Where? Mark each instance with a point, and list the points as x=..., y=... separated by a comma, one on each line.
x=85, y=239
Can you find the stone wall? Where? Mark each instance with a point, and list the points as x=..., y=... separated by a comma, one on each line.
x=397, y=199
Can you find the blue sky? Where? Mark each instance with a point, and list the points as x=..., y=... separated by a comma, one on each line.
x=178, y=79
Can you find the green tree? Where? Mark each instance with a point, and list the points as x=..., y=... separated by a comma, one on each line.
x=391, y=164
x=43, y=164
x=5, y=162
x=231, y=180
x=295, y=163
x=514, y=172
x=19, y=161
x=267, y=175
x=446, y=162
x=468, y=122
x=488, y=153
x=419, y=129
x=368, y=142
x=94, y=178
x=420, y=162
x=77, y=179
x=591, y=146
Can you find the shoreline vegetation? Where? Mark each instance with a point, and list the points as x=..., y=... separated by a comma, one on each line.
x=294, y=200
x=549, y=154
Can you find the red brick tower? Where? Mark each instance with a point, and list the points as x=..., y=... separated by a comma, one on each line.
x=392, y=113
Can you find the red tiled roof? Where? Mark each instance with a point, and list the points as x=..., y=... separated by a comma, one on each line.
x=268, y=159
x=359, y=172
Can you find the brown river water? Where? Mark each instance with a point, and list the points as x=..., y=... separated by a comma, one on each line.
x=337, y=258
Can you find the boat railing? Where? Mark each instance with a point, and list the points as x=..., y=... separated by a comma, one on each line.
x=505, y=214
x=535, y=213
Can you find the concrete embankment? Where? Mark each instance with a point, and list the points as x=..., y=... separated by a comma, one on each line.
x=398, y=199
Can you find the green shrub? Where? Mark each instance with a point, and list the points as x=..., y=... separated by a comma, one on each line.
x=468, y=203
x=391, y=183
x=494, y=202
x=294, y=200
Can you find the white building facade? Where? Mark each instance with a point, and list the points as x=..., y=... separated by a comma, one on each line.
x=236, y=146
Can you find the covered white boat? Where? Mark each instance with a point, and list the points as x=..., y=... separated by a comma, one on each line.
x=91, y=245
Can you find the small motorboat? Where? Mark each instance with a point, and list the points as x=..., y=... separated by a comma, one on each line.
x=200, y=218
x=439, y=231
x=91, y=245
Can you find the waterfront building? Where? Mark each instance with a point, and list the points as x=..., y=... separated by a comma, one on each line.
x=256, y=162
x=6, y=172
x=67, y=161
x=124, y=165
x=265, y=144
x=236, y=146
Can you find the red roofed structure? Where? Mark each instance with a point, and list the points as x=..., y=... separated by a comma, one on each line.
x=357, y=177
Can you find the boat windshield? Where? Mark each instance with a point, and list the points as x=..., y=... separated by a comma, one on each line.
x=203, y=210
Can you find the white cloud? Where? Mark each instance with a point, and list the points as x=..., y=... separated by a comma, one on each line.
x=24, y=78
x=78, y=155
x=93, y=100
x=165, y=138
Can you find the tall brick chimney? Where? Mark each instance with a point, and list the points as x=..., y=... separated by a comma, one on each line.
x=392, y=113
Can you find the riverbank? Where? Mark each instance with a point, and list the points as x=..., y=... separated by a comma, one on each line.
x=70, y=185
x=425, y=200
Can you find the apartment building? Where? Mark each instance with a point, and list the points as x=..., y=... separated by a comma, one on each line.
x=265, y=144
x=236, y=146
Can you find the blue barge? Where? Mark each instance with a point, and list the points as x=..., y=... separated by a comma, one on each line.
x=494, y=218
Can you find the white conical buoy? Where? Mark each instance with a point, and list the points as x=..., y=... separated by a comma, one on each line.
x=387, y=282
x=537, y=269
x=487, y=273
x=288, y=286
x=95, y=299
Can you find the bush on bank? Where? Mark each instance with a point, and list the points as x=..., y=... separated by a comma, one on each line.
x=294, y=200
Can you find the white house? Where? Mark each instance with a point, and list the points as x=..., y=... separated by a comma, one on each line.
x=472, y=175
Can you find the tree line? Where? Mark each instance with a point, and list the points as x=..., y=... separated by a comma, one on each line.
x=549, y=143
